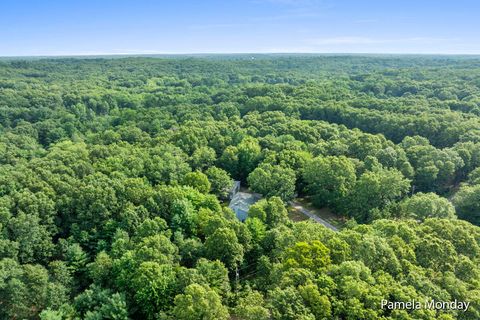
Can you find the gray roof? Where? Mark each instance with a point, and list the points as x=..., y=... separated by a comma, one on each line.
x=242, y=201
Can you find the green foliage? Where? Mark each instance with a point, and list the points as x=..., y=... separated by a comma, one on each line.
x=97, y=303
x=467, y=202
x=215, y=274
x=374, y=191
x=242, y=159
x=427, y=205
x=272, y=181
x=25, y=290
x=329, y=179
x=153, y=286
x=270, y=211
x=220, y=181
x=223, y=245
x=250, y=307
x=199, y=303
x=287, y=304
x=197, y=180
x=202, y=158
x=313, y=256
x=115, y=176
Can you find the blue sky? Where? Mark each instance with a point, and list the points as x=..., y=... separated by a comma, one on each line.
x=71, y=27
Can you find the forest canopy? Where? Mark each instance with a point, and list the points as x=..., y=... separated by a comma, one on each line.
x=115, y=176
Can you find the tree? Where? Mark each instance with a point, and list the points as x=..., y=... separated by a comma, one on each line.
x=165, y=164
x=436, y=253
x=249, y=152
x=271, y=212
x=314, y=256
x=197, y=180
x=98, y=303
x=202, y=158
x=427, y=205
x=220, y=181
x=271, y=180
x=34, y=240
x=154, y=286
x=223, y=245
x=257, y=229
x=216, y=275
x=329, y=179
x=288, y=304
x=373, y=191
x=199, y=303
x=229, y=161
x=467, y=203
x=114, y=308
x=25, y=290
x=474, y=177
x=183, y=216
x=319, y=304
x=251, y=307
x=240, y=160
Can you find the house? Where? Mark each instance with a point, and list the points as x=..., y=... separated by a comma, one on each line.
x=241, y=203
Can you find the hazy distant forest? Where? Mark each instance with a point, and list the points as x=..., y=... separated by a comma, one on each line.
x=115, y=173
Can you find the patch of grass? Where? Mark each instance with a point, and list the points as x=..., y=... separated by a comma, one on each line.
x=324, y=213
x=296, y=216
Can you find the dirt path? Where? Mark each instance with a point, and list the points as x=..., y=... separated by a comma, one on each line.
x=307, y=212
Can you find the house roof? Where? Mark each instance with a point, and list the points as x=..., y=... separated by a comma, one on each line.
x=243, y=201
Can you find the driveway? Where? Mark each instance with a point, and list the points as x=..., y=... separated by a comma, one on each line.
x=309, y=214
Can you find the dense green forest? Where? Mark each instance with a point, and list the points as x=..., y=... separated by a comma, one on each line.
x=115, y=172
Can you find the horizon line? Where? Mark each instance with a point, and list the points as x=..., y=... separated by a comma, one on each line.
x=105, y=54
